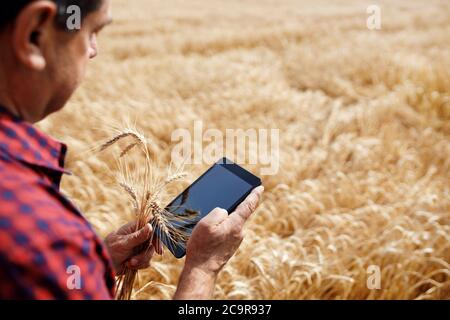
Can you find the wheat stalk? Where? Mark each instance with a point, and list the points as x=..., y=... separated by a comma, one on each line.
x=145, y=197
x=175, y=177
x=132, y=193
x=139, y=138
x=128, y=149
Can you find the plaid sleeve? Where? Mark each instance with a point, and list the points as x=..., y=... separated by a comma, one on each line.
x=47, y=251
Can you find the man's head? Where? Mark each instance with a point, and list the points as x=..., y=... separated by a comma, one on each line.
x=42, y=57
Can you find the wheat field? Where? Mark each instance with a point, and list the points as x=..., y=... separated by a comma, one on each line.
x=364, y=119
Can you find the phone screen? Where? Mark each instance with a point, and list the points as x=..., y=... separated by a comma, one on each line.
x=218, y=187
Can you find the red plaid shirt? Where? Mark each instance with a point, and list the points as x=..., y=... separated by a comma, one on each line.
x=47, y=249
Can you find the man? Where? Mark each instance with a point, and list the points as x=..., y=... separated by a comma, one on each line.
x=43, y=237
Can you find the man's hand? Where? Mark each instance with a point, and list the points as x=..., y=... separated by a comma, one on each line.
x=124, y=243
x=213, y=242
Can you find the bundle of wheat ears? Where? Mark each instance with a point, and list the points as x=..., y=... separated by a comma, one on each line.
x=145, y=195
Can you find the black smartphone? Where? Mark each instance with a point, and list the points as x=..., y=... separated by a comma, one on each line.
x=224, y=185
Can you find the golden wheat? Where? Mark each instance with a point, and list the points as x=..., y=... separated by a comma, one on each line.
x=364, y=175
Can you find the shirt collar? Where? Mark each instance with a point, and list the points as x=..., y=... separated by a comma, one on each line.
x=25, y=143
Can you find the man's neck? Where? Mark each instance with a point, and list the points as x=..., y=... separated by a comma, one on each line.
x=18, y=96
x=9, y=106
x=13, y=106
x=6, y=100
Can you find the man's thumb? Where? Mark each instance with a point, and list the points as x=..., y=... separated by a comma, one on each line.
x=215, y=217
x=138, y=237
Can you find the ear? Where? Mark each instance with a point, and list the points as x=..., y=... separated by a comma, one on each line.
x=34, y=24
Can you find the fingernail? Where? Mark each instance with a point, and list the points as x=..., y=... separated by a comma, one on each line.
x=259, y=189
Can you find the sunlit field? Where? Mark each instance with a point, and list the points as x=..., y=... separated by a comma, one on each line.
x=364, y=119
